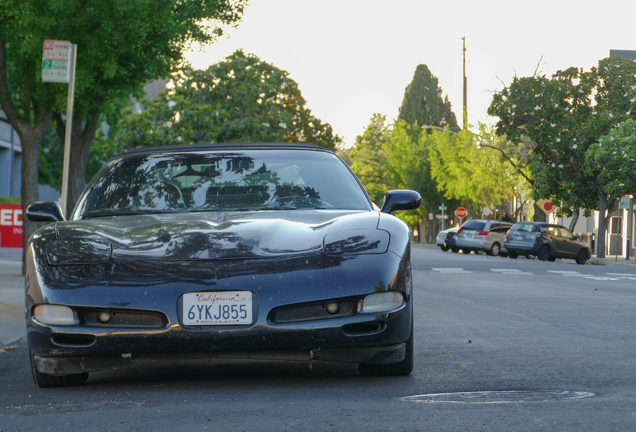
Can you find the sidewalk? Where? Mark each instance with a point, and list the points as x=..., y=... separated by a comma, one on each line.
x=13, y=329
x=613, y=261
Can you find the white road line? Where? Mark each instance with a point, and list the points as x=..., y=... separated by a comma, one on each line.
x=509, y=271
x=621, y=274
x=568, y=273
x=450, y=270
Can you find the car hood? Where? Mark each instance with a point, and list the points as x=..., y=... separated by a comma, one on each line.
x=225, y=235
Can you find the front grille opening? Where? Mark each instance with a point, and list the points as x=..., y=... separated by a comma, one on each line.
x=362, y=328
x=122, y=318
x=313, y=311
x=73, y=340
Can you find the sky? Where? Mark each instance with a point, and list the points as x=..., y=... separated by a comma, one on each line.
x=354, y=58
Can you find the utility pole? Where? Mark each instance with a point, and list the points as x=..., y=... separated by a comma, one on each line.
x=465, y=106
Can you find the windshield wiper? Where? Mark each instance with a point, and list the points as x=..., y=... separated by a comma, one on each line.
x=121, y=211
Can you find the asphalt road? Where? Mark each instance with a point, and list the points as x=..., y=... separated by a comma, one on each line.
x=501, y=345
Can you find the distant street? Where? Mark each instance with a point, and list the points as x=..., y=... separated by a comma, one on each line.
x=501, y=345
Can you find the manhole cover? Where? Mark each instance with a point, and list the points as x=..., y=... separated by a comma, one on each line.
x=498, y=397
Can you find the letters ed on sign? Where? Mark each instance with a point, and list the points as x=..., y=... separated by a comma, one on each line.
x=11, y=225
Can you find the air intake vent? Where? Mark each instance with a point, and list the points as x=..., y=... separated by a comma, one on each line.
x=363, y=328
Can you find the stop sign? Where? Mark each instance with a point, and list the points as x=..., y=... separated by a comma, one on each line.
x=547, y=206
x=461, y=212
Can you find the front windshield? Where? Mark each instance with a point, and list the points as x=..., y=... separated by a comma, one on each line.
x=223, y=181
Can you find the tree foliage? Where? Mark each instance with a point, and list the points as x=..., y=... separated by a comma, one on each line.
x=121, y=46
x=423, y=102
x=369, y=159
x=477, y=168
x=241, y=99
x=409, y=167
x=613, y=158
x=564, y=115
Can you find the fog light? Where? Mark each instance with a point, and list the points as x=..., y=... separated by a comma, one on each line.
x=333, y=308
x=104, y=316
x=382, y=302
x=54, y=315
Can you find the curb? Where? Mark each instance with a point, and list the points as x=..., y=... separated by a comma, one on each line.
x=14, y=341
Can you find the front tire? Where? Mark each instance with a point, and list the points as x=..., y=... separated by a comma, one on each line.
x=454, y=250
x=404, y=367
x=45, y=380
x=466, y=251
x=544, y=253
x=445, y=248
x=582, y=257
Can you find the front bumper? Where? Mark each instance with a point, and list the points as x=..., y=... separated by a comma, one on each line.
x=138, y=286
x=68, y=365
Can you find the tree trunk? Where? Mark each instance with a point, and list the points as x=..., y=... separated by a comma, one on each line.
x=510, y=216
x=82, y=139
x=539, y=215
x=31, y=141
x=604, y=214
x=575, y=219
x=423, y=231
x=430, y=237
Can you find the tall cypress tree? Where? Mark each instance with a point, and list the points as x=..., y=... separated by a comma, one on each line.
x=423, y=102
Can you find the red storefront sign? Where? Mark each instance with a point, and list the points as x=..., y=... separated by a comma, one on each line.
x=11, y=225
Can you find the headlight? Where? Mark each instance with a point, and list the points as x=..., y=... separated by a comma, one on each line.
x=382, y=302
x=368, y=241
x=54, y=315
x=78, y=251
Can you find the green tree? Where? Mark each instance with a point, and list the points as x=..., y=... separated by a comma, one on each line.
x=369, y=161
x=241, y=99
x=102, y=150
x=423, y=102
x=564, y=115
x=409, y=167
x=613, y=160
x=121, y=46
x=477, y=168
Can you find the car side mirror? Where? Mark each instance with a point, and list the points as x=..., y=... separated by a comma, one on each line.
x=401, y=199
x=574, y=237
x=44, y=211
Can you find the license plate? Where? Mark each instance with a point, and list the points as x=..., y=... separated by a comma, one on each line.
x=518, y=237
x=217, y=308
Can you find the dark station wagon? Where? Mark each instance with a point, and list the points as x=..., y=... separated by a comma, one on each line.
x=547, y=241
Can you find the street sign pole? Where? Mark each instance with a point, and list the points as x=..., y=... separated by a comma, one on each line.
x=443, y=208
x=618, y=230
x=69, y=127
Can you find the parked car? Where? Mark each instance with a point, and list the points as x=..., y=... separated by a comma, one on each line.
x=482, y=235
x=547, y=241
x=270, y=251
x=445, y=236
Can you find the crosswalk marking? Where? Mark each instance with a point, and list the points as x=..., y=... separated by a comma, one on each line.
x=566, y=273
x=450, y=270
x=509, y=271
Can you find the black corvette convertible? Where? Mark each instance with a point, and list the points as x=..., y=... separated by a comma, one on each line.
x=251, y=251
